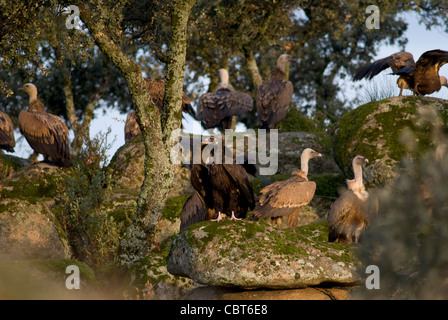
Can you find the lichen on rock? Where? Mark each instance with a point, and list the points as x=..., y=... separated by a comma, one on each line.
x=254, y=254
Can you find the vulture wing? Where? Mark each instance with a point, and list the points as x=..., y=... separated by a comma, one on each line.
x=46, y=134
x=284, y=197
x=242, y=181
x=213, y=107
x=432, y=58
x=200, y=180
x=400, y=62
x=193, y=211
x=346, y=214
x=7, y=141
x=273, y=99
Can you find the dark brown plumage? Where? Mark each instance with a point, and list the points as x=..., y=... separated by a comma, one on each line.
x=349, y=215
x=216, y=109
x=7, y=141
x=219, y=188
x=46, y=133
x=285, y=198
x=156, y=88
x=274, y=96
x=421, y=77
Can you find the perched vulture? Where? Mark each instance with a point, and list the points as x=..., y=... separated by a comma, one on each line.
x=274, y=96
x=349, y=215
x=421, y=77
x=7, y=141
x=285, y=198
x=46, y=133
x=156, y=88
x=219, y=188
x=216, y=109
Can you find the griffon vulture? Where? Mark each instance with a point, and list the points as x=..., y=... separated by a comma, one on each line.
x=274, y=96
x=421, y=77
x=156, y=88
x=285, y=198
x=349, y=215
x=7, y=141
x=217, y=108
x=46, y=133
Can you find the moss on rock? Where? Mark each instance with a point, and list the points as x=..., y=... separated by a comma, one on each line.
x=254, y=254
x=374, y=130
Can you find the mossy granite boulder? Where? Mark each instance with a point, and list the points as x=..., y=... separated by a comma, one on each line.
x=374, y=130
x=255, y=254
x=28, y=227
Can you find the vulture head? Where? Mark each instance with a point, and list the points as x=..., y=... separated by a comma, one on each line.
x=31, y=90
x=283, y=60
x=223, y=80
x=359, y=161
x=307, y=154
x=443, y=81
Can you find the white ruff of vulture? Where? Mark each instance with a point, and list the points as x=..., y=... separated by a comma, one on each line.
x=7, y=141
x=217, y=108
x=46, y=133
x=274, y=96
x=349, y=214
x=156, y=88
x=285, y=198
x=421, y=77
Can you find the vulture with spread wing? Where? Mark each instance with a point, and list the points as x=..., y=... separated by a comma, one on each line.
x=421, y=77
x=46, y=133
x=285, y=198
x=156, y=88
x=7, y=141
x=216, y=109
x=274, y=96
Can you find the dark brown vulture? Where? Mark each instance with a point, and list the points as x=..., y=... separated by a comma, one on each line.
x=216, y=109
x=156, y=88
x=199, y=206
x=46, y=133
x=274, y=96
x=421, y=77
x=219, y=188
x=7, y=141
x=349, y=215
x=285, y=198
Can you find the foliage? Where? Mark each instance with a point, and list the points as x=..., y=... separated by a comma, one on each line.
x=93, y=233
x=408, y=238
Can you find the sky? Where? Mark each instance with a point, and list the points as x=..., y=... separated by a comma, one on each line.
x=419, y=40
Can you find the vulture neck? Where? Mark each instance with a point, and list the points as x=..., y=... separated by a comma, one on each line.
x=356, y=184
x=358, y=174
x=304, y=158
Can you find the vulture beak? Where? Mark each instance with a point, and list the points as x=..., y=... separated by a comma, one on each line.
x=21, y=89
